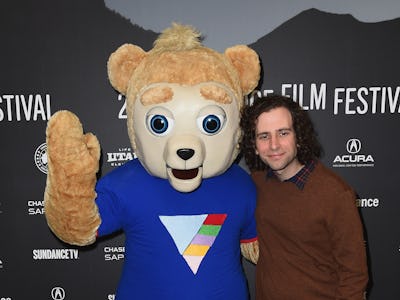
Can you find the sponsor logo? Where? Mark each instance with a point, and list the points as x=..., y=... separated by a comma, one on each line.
x=55, y=254
x=354, y=157
x=35, y=207
x=116, y=159
x=353, y=146
x=1, y=264
x=57, y=293
x=114, y=253
x=41, y=158
x=367, y=202
x=5, y=298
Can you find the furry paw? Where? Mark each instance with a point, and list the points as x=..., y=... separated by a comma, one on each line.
x=68, y=148
x=73, y=161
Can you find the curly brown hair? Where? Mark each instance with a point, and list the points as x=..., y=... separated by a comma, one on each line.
x=308, y=147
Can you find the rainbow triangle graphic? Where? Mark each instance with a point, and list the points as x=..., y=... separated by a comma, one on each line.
x=193, y=235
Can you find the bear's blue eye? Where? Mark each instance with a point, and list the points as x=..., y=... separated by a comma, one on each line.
x=211, y=124
x=159, y=124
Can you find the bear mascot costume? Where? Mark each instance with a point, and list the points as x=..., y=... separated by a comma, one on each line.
x=185, y=207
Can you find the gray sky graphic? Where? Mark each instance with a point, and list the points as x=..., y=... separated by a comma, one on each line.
x=224, y=23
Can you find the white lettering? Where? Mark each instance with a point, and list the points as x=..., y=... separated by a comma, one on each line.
x=35, y=203
x=249, y=99
x=364, y=202
x=349, y=101
x=366, y=100
x=317, y=98
x=114, y=249
x=360, y=94
x=35, y=211
x=113, y=257
x=122, y=111
x=49, y=254
x=119, y=156
x=393, y=100
x=31, y=107
x=360, y=158
x=35, y=207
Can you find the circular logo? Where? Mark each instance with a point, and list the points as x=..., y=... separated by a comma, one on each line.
x=57, y=293
x=41, y=158
x=353, y=146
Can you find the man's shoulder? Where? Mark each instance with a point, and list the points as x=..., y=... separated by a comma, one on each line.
x=325, y=176
x=257, y=175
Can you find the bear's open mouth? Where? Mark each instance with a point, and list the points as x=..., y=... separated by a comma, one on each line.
x=185, y=174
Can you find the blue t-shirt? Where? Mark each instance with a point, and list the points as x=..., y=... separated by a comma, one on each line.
x=179, y=245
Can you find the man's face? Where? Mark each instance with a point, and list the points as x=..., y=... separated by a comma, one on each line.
x=276, y=142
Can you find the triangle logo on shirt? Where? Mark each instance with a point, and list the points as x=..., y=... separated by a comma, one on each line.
x=193, y=235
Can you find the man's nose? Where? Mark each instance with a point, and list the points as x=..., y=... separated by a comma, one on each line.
x=274, y=142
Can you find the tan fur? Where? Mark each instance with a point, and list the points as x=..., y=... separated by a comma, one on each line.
x=155, y=95
x=179, y=57
x=250, y=251
x=122, y=63
x=73, y=161
x=177, y=38
x=211, y=92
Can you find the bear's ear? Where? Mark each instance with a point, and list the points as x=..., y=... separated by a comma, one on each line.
x=121, y=65
x=246, y=62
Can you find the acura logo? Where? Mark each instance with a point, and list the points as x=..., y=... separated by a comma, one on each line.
x=57, y=293
x=353, y=146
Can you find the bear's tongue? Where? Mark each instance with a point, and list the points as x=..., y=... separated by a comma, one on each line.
x=185, y=174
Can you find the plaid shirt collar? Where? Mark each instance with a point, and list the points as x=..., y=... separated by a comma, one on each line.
x=300, y=178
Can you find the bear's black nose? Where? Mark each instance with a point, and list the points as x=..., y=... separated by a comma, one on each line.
x=185, y=153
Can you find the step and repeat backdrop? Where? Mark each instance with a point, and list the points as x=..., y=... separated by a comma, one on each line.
x=340, y=67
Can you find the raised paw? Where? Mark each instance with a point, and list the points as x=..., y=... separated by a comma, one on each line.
x=68, y=148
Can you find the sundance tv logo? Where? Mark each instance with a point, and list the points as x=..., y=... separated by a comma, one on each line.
x=354, y=157
x=55, y=254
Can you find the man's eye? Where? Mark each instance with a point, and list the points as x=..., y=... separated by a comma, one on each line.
x=284, y=133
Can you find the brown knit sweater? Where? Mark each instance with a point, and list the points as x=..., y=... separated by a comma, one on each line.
x=311, y=240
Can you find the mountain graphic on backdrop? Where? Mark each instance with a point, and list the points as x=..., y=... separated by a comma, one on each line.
x=320, y=46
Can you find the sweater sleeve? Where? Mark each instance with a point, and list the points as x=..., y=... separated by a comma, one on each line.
x=349, y=249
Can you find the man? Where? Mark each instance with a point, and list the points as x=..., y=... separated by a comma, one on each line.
x=309, y=230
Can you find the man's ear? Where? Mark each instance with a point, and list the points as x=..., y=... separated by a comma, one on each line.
x=246, y=62
x=121, y=65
